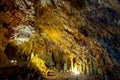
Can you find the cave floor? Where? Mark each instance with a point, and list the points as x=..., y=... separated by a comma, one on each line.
x=71, y=76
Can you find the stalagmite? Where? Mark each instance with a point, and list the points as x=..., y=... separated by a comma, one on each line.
x=75, y=70
x=91, y=71
x=71, y=60
x=80, y=68
x=83, y=68
x=106, y=77
x=87, y=69
x=94, y=68
x=65, y=67
x=100, y=71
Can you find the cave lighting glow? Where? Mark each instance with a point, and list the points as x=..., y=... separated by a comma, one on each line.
x=13, y=61
x=23, y=33
x=75, y=70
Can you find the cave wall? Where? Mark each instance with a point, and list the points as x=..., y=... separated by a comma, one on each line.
x=63, y=31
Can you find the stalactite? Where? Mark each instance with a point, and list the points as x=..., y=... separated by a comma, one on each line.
x=100, y=1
